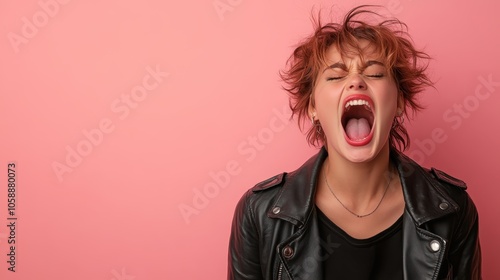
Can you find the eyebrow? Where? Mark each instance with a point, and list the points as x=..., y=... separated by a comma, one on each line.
x=373, y=62
x=342, y=66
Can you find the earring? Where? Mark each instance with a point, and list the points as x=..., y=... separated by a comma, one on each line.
x=316, y=124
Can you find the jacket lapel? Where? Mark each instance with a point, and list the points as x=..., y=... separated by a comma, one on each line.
x=296, y=198
x=423, y=250
x=423, y=195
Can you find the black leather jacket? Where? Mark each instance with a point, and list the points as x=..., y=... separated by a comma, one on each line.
x=275, y=234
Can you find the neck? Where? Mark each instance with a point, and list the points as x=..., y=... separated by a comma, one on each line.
x=358, y=183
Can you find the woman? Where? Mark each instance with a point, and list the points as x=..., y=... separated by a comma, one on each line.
x=359, y=209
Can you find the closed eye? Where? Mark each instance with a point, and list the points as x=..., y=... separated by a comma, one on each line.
x=334, y=78
x=377, y=75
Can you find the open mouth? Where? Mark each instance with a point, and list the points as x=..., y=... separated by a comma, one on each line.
x=357, y=120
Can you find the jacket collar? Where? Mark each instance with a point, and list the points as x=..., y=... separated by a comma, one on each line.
x=424, y=196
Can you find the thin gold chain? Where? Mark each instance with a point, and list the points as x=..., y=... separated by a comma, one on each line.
x=357, y=215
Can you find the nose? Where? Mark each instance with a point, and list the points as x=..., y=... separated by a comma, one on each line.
x=356, y=83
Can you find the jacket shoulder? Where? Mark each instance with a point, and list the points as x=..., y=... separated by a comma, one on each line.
x=262, y=194
x=269, y=183
x=447, y=179
x=257, y=201
x=435, y=174
x=260, y=198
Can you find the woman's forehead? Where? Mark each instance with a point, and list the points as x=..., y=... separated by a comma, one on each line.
x=364, y=51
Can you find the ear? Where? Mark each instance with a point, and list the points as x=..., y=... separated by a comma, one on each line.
x=311, y=110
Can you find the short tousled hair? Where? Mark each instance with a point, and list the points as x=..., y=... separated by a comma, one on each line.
x=391, y=42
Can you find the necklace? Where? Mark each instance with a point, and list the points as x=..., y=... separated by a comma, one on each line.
x=357, y=215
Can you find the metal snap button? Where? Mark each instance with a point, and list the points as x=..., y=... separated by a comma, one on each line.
x=276, y=210
x=287, y=252
x=444, y=206
x=435, y=245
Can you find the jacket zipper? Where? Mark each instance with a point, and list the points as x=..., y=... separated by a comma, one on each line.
x=280, y=271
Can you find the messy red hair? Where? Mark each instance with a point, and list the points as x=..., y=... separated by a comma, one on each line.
x=391, y=42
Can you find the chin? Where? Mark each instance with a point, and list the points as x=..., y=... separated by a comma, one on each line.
x=360, y=155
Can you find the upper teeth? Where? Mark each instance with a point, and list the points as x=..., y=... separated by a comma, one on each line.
x=357, y=102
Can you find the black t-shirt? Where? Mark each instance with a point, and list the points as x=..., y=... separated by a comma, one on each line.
x=374, y=258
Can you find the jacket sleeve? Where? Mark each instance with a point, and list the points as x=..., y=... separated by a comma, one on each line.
x=243, y=262
x=465, y=255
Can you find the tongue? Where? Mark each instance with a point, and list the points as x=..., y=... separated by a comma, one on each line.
x=357, y=129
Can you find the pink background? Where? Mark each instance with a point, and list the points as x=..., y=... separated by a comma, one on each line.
x=76, y=77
